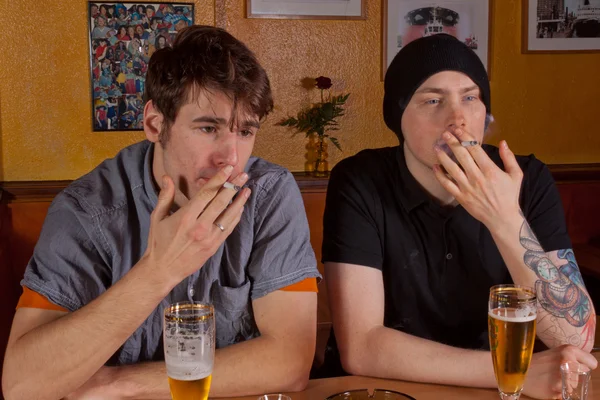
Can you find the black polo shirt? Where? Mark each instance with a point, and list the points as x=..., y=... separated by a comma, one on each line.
x=438, y=264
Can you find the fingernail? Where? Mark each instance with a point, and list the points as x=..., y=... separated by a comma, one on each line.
x=164, y=182
x=247, y=193
x=447, y=135
x=244, y=176
x=228, y=169
x=437, y=148
x=504, y=144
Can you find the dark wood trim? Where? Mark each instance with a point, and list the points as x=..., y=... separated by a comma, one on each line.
x=30, y=191
x=311, y=184
x=36, y=191
x=40, y=191
x=571, y=173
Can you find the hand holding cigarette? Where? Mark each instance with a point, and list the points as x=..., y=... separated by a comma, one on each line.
x=487, y=192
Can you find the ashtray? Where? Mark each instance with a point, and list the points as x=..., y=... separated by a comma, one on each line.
x=363, y=394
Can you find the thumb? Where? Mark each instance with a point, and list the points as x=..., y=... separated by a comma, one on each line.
x=165, y=199
x=511, y=166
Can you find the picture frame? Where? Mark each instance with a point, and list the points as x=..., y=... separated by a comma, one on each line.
x=122, y=38
x=406, y=20
x=560, y=26
x=306, y=9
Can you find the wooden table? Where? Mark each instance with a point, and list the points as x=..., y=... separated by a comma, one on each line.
x=319, y=389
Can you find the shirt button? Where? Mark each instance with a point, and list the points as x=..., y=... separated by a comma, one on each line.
x=449, y=256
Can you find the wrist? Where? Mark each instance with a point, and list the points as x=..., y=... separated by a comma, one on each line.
x=162, y=281
x=120, y=387
x=108, y=382
x=507, y=224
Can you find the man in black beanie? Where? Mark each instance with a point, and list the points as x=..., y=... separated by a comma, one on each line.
x=415, y=236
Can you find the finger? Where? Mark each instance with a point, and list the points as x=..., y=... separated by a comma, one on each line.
x=479, y=155
x=231, y=216
x=452, y=168
x=222, y=201
x=446, y=183
x=200, y=201
x=557, y=386
x=583, y=357
x=511, y=166
x=165, y=200
x=462, y=155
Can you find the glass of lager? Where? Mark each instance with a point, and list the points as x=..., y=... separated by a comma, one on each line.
x=189, y=343
x=512, y=310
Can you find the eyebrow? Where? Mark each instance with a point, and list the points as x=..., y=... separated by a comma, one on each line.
x=444, y=91
x=223, y=121
x=212, y=120
x=250, y=124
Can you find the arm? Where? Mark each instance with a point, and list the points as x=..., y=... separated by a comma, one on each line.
x=280, y=359
x=43, y=347
x=277, y=361
x=565, y=311
x=566, y=314
x=366, y=347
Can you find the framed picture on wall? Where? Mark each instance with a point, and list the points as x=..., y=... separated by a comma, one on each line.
x=407, y=20
x=123, y=36
x=307, y=9
x=561, y=26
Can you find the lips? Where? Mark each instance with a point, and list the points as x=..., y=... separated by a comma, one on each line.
x=444, y=146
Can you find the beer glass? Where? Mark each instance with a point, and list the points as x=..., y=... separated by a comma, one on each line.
x=189, y=343
x=512, y=310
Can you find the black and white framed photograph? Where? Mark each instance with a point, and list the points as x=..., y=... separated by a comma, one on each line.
x=561, y=26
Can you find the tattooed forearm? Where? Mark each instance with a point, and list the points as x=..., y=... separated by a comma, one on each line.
x=559, y=287
x=554, y=334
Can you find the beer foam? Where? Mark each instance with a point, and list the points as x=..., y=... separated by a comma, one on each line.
x=181, y=370
x=511, y=316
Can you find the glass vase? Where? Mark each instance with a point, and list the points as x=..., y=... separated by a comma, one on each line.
x=321, y=164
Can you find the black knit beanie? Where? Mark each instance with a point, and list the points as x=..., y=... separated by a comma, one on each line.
x=419, y=60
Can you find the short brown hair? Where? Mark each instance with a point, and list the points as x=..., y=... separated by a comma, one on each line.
x=206, y=58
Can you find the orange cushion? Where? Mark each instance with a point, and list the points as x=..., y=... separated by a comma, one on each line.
x=307, y=285
x=31, y=299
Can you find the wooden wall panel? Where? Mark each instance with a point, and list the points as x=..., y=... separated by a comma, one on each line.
x=27, y=221
x=314, y=203
x=8, y=293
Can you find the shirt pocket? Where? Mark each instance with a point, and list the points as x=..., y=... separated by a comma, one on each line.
x=234, y=318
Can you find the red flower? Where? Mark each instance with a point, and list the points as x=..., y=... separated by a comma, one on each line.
x=323, y=82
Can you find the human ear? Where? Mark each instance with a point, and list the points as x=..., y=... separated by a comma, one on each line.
x=153, y=121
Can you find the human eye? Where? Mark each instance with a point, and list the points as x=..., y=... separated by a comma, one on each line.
x=246, y=133
x=432, y=101
x=471, y=97
x=208, y=129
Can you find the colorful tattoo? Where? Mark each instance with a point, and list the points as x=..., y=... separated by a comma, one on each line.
x=559, y=288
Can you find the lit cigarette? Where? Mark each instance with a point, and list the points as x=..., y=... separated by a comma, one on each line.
x=469, y=143
x=229, y=185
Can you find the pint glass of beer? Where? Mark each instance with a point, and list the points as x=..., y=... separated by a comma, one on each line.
x=189, y=342
x=512, y=311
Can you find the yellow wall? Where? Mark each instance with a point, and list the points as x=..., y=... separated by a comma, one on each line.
x=543, y=103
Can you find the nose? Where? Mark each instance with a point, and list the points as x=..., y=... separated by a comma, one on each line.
x=456, y=117
x=226, y=152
